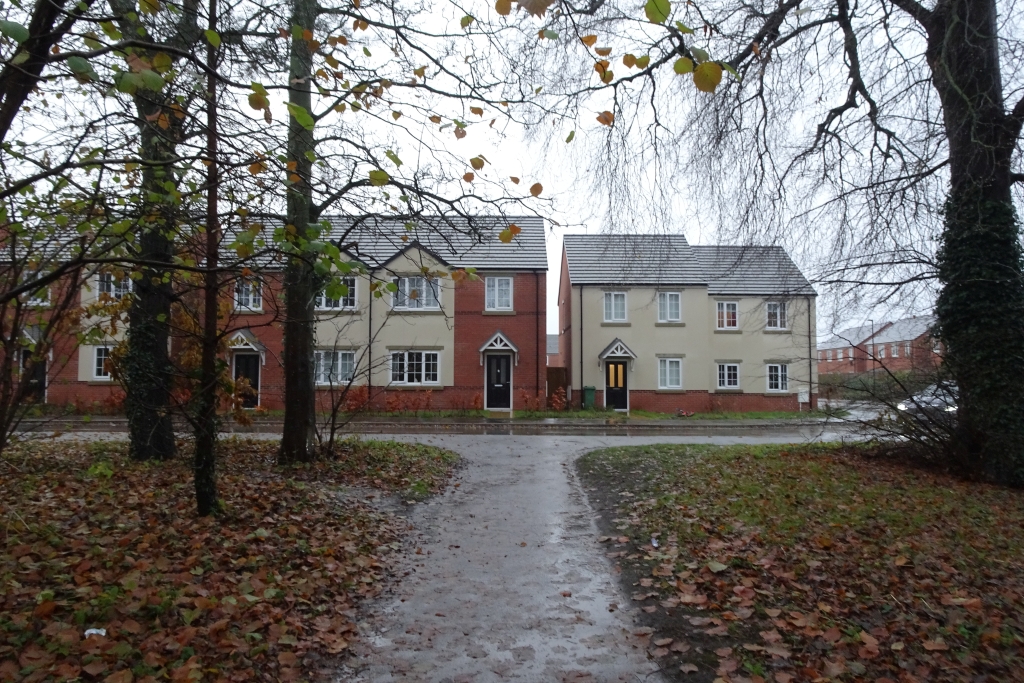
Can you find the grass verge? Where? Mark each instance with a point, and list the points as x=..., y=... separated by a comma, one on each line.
x=266, y=591
x=813, y=563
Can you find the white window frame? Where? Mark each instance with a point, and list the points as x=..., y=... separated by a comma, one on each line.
x=33, y=300
x=664, y=373
x=839, y=354
x=894, y=350
x=251, y=290
x=115, y=290
x=665, y=307
x=100, y=372
x=821, y=356
x=492, y=292
x=335, y=374
x=345, y=303
x=828, y=355
x=406, y=363
x=722, y=315
x=722, y=372
x=880, y=350
x=906, y=349
x=610, y=314
x=781, y=315
x=781, y=378
x=400, y=300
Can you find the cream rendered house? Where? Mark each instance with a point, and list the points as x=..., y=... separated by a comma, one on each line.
x=653, y=323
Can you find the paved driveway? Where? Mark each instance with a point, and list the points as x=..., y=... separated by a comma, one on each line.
x=511, y=583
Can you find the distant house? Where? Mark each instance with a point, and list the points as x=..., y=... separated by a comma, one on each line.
x=554, y=355
x=653, y=323
x=845, y=352
x=897, y=346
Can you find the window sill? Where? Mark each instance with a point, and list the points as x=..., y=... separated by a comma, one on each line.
x=339, y=311
x=728, y=331
x=772, y=331
x=728, y=391
x=248, y=311
x=778, y=392
x=417, y=311
x=670, y=391
x=496, y=312
x=413, y=387
x=670, y=324
x=616, y=324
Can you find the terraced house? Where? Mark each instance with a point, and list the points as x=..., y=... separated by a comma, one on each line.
x=653, y=323
x=479, y=342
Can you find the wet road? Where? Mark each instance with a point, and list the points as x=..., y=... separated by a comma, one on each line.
x=511, y=583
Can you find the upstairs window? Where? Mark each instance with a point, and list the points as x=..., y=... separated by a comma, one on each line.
x=41, y=296
x=728, y=315
x=728, y=376
x=669, y=307
x=614, y=307
x=777, y=316
x=498, y=294
x=839, y=354
x=334, y=367
x=906, y=349
x=416, y=293
x=778, y=377
x=115, y=288
x=248, y=295
x=821, y=356
x=880, y=350
x=829, y=354
x=894, y=351
x=414, y=367
x=346, y=302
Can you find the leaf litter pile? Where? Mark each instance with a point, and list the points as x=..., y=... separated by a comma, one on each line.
x=813, y=563
x=267, y=591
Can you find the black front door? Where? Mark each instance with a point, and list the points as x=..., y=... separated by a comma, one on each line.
x=247, y=366
x=35, y=376
x=499, y=382
x=616, y=393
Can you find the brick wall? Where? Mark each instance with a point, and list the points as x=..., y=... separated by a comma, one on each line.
x=527, y=329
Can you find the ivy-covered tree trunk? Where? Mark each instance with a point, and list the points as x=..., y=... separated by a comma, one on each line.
x=297, y=440
x=980, y=310
x=147, y=367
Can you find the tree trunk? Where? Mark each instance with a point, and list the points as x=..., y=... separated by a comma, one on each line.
x=297, y=441
x=980, y=310
x=206, y=423
x=147, y=367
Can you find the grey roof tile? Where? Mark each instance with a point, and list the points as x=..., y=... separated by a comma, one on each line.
x=460, y=242
x=632, y=260
x=670, y=260
x=907, y=329
x=752, y=270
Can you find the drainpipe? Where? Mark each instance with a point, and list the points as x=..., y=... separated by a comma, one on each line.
x=581, y=347
x=810, y=359
x=369, y=343
x=536, y=325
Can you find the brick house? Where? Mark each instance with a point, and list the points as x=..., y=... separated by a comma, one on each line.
x=847, y=352
x=432, y=342
x=653, y=323
x=900, y=346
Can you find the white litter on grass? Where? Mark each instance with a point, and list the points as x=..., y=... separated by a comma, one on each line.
x=654, y=541
x=95, y=632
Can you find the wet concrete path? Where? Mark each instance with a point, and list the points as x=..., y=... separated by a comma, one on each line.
x=511, y=584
